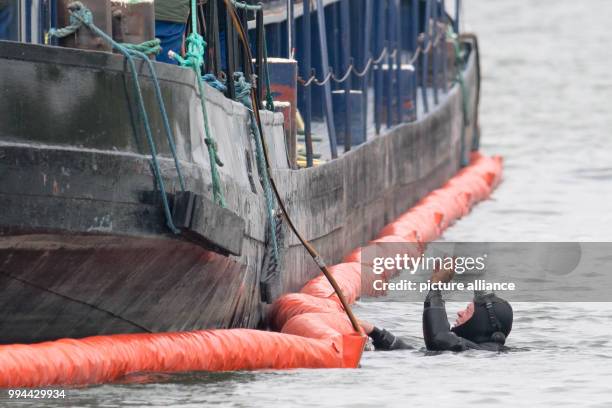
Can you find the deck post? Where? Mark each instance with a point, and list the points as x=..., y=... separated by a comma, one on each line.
x=378, y=75
x=335, y=39
x=290, y=28
x=434, y=52
x=398, y=59
x=259, y=33
x=327, y=99
x=215, y=36
x=425, y=59
x=414, y=34
x=388, y=72
x=306, y=68
x=230, y=55
x=277, y=40
x=346, y=64
x=366, y=54
x=457, y=15
x=444, y=50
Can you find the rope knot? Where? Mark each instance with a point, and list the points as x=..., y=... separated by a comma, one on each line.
x=79, y=11
x=79, y=15
x=196, y=48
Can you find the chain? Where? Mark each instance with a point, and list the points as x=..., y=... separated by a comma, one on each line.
x=374, y=61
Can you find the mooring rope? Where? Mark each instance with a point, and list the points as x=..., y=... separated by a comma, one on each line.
x=243, y=95
x=311, y=250
x=194, y=59
x=80, y=16
x=150, y=47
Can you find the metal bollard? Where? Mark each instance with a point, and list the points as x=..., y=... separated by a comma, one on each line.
x=133, y=22
x=84, y=38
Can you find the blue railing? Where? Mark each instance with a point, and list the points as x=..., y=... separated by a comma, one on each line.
x=394, y=49
x=389, y=47
x=26, y=20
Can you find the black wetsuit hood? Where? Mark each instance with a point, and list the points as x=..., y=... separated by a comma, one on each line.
x=491, y=321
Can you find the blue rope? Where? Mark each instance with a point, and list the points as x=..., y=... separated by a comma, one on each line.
x=212, y=80
x=80, y=13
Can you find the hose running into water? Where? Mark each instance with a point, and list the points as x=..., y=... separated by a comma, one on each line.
x=311, y=250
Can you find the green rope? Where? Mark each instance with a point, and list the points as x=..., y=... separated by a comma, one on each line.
x=194, y=59
x=243, y=95
x=148, y=47
x=81, y=15
x=243, y=90
x=74, y=22
x=464, y=93
x=246, y=6
x=151, y=47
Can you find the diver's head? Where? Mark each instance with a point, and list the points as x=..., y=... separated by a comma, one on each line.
x=487, y=319
x=465, y=314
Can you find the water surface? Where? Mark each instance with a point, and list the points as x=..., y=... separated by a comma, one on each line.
x=546, y=109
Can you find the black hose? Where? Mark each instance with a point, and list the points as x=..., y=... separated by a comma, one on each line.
x=256, y=103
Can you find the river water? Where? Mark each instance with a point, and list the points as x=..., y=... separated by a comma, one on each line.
x=545, y=108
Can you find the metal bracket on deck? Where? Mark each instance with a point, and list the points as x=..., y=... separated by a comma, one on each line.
x=204, y=222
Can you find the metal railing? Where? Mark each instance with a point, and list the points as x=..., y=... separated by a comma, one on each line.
x=374, y=43
x=393, y=48
x=26, y=20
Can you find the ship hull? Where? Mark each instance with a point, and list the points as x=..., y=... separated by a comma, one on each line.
x=84, y=247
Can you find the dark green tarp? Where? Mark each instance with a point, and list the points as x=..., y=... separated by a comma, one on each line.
x=176, y=11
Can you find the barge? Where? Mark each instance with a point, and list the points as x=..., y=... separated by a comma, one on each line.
x=85, y=247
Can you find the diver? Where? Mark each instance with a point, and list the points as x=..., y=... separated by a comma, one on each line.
x=483, y=325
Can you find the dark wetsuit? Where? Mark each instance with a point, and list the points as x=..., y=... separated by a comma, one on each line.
x=436, y=331
x=384, y=340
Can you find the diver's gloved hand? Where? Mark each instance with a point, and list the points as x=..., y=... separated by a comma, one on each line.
x=384, y=340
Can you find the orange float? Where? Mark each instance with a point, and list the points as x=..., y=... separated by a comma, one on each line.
x=348, y=276
x=293, y=304
x=108, y=358
x=314, y=331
